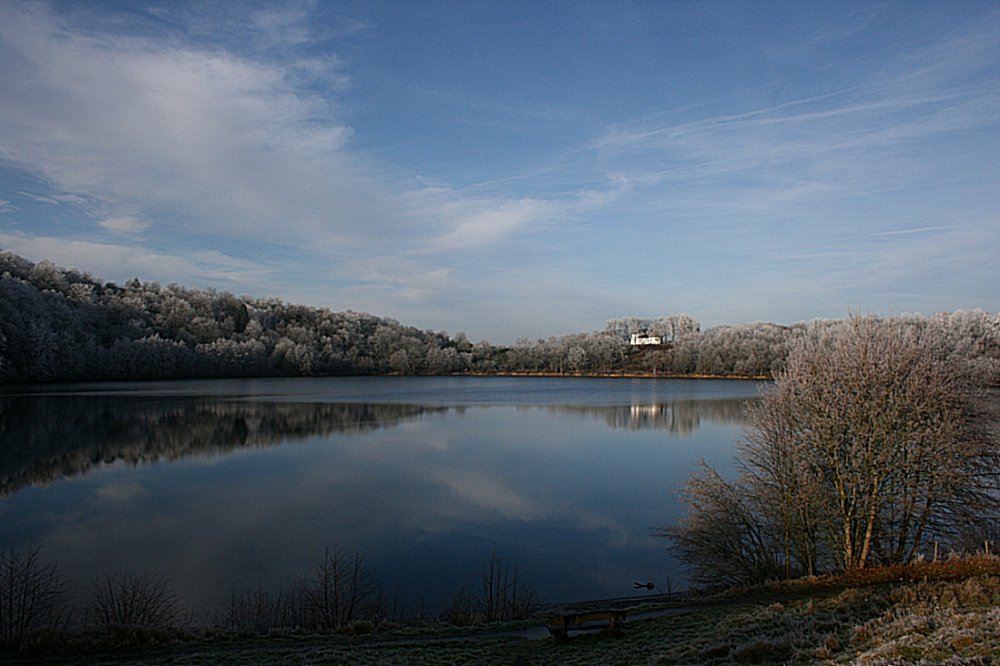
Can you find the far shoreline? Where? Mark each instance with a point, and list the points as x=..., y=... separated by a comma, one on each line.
x=603, y=375
x=539, y=374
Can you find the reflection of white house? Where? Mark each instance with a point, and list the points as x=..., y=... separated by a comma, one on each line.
x=645, y=411
x=640, y=339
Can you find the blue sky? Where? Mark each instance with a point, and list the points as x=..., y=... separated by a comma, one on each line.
x=513, y=168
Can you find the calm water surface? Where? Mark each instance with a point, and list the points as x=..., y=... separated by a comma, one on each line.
x=223, y=484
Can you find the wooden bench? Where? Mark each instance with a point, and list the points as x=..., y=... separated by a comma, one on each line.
x=606, y=621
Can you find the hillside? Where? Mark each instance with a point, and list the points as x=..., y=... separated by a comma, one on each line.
x=63, y=325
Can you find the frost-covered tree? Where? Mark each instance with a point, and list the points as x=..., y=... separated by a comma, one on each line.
x=871, y=442
x=63, y=325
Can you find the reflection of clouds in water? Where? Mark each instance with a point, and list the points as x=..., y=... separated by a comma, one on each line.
x=591, y=520
x=372, y=476
x=476, y=491
x=125, y=491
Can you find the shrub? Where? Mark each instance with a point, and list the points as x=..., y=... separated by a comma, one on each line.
x=134, y=602
x=32, y=594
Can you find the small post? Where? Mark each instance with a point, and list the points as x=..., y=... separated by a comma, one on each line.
x=986, y=546
x=935, y=551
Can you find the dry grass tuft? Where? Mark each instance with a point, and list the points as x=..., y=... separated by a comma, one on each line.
x=760, y=651
x=714, y=652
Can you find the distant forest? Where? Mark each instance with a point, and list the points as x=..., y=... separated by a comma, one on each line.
x=60, y=325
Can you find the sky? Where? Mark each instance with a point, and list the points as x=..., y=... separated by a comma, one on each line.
x=513, y=169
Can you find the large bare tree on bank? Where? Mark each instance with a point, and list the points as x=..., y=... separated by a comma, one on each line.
x=871, y=440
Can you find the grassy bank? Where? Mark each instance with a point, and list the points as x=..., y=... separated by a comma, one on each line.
x=941, y=613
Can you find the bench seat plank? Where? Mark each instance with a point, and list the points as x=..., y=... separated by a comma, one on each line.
x=609, y=620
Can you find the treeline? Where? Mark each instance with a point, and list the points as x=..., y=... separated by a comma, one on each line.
x=63, y=325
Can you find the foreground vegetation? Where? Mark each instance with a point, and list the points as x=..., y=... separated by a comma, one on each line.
x=338, y=592
x=944, y=612
x=63, y=325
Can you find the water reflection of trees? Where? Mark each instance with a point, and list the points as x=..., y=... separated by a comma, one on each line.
x=676, y=416
x=47, y=438
x=44, y=439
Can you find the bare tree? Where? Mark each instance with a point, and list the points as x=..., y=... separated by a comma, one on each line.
x=259, y=609
x=340, y=589
x=32, y=594
x=505, y=595
x=143, y=601
x=776, y=478
x=724, y=540
x=460, y=609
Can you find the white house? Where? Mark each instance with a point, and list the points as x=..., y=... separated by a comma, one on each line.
x=639, y=339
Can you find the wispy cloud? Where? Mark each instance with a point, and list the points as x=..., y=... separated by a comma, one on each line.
x=638, y=132
x=148, y=125
x=395, y=277
x=470, y=223
x=773, y=139
x=38, y=198
x=907, y=232
x=123, y=224
x=210, y=141
x=119, y=262
x=874, y=136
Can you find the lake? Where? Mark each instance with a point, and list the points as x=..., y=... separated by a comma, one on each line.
x=220, y=485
